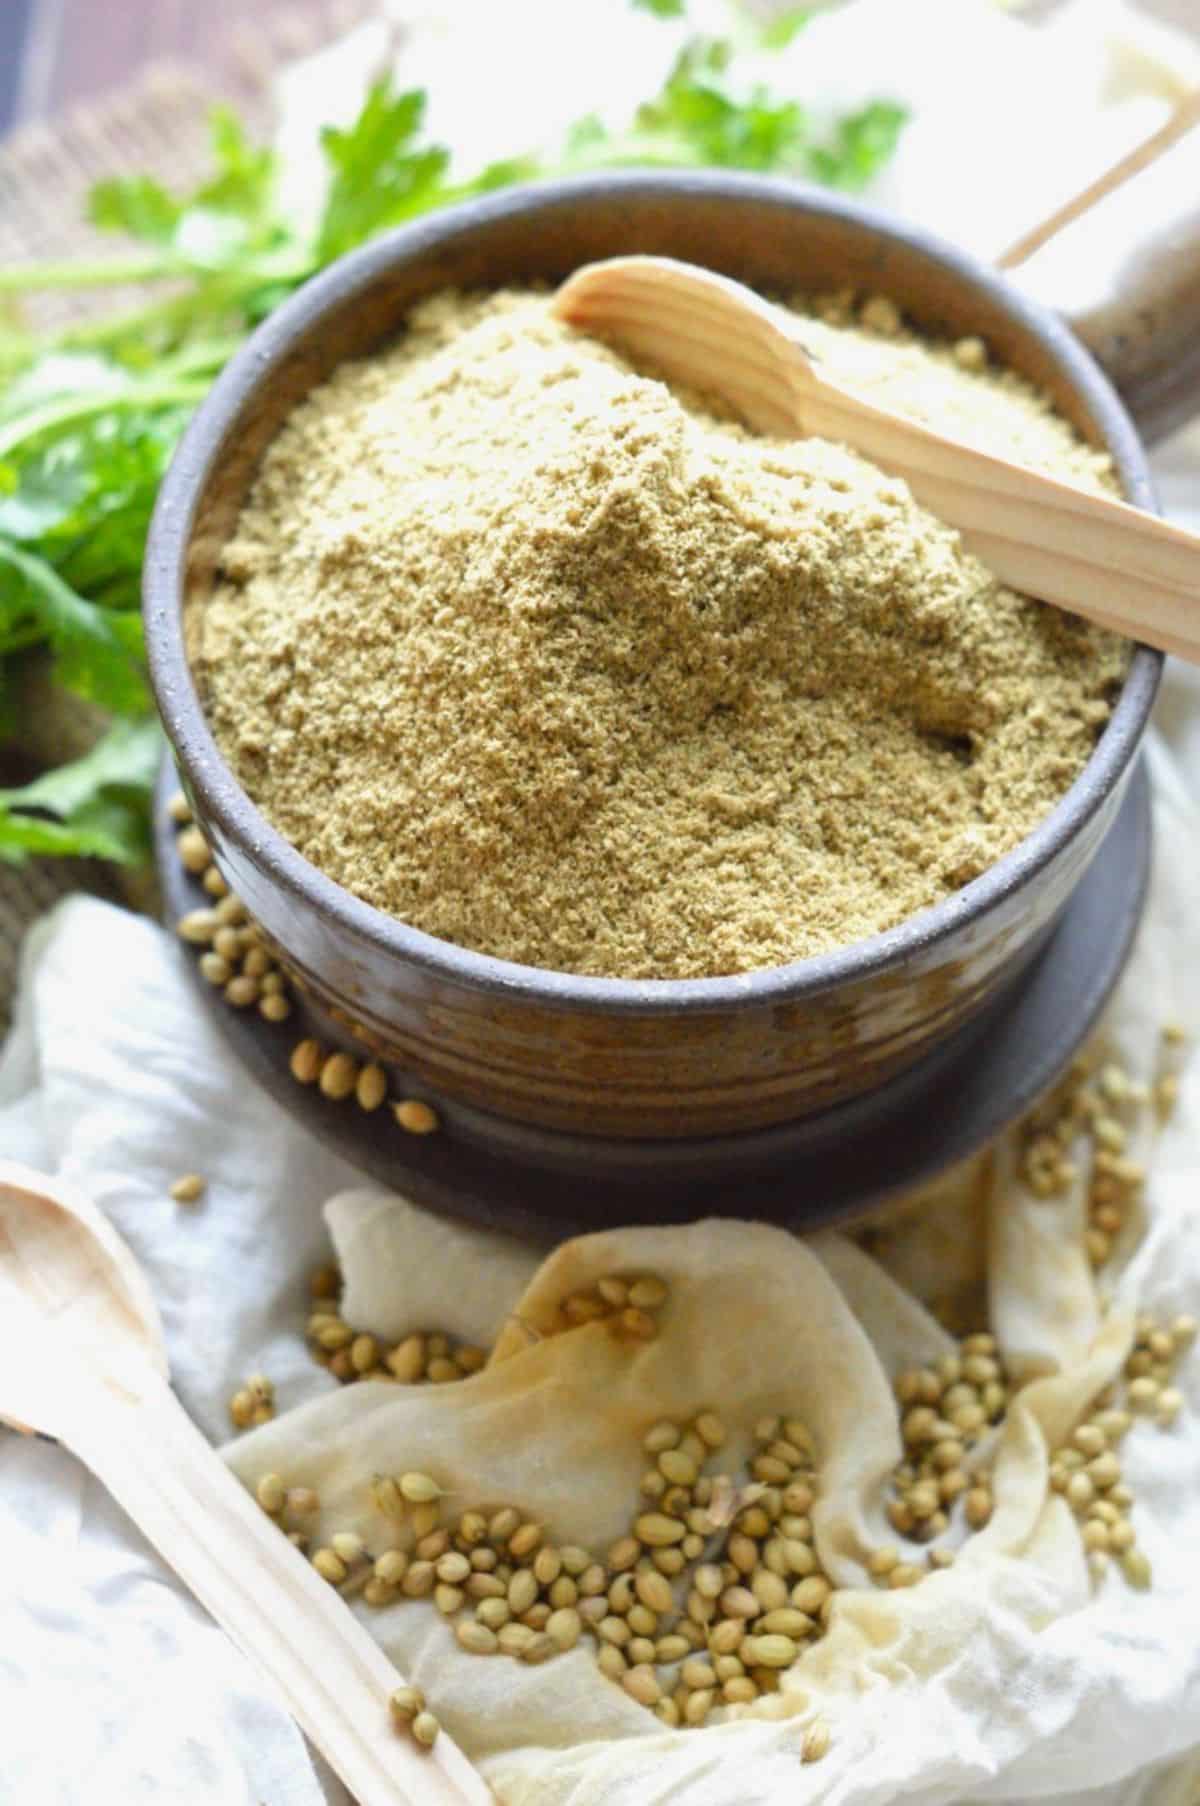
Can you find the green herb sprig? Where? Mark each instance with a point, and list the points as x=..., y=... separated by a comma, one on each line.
x=90, y=415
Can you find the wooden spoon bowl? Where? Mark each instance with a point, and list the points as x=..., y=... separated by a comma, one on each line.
x=82, y=1360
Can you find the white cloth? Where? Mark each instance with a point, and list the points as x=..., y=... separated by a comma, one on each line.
x=114, y=1077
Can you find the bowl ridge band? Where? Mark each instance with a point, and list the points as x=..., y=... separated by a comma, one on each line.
x=656, y=1058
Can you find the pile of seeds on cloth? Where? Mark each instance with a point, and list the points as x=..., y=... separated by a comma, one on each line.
x=716, y=1589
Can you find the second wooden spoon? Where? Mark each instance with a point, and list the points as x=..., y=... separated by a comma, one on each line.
x=1110, y=562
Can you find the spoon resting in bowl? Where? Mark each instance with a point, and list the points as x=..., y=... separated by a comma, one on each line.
x=1103, y=559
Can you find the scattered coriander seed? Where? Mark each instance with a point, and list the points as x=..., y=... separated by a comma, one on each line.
x=274, y=1007
x=242, y=1407
x=425, y=1728
x=565, y=1626
x=419, y=1489
x=660, y=1437
x=371, y=1087
x=475, y=1637
x=405, y=1703
x=329, y=1566
x=1169, y=1405
x=306, y=1061
x=677, y=1468
x=415, y=1116
x=1143, y=1394
x=339, y=1075
x=1136, y=1568
x=710, y=1430
x=215, y=969
x=525, y=1540
x=657, y=1530
x=816, y=1741
x=391, y=1567
x=188, y=1189
x=193, y=849
x=407, y=1360
x=641, y=1684
x=198, y=927
x=271, y=1494
x=228, y=943
x=418, y=1582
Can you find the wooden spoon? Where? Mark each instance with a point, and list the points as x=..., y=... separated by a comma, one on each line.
x=1115, y=564
x=81, y=1359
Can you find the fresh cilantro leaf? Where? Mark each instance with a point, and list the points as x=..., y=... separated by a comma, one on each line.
x=96, y=806
x=861, y=144
x=97, y=650
x=137, y=205
x=110, y=828
x=700, y=117
x=662, y=9
x=223, y=218
x=124, y=759
x=83, y=501
x=244, y=181
x=778, y=32
x=380, y=177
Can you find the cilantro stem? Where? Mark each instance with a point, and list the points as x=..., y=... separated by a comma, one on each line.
x=178, y=393
x=103, y=273
x=36, y=571
x=110, y=272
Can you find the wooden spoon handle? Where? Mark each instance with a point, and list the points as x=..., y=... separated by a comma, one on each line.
x=326, y=1668
x=1116, y=565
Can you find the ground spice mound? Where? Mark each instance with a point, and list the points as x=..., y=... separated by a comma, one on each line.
x=550, y=660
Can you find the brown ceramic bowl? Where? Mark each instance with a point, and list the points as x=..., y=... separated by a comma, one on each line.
x=606, y=1057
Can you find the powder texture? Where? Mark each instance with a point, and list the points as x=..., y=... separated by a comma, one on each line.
x=547, y=658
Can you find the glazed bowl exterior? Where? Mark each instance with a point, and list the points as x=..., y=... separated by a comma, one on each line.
x=611, y=1057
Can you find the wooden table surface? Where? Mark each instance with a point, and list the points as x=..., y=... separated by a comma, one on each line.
x=59, y=52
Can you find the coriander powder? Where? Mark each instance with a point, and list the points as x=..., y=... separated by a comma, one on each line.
x=556, y=661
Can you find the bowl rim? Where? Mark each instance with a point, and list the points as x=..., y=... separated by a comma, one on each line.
x=230, y=807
